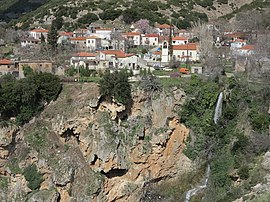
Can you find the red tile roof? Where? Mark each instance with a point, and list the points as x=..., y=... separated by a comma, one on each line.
x=5, y=62
x=78, y=39
x=235, y=35
x=179, y=38
x=164, y=26
x=151, y=35
x=40, y=30
x=131, y=33
x=157, y=53
x=117, y=53
x=66, y=34
x=247, y=47
x=85, y=54
x=163, y=38
x=188, y=46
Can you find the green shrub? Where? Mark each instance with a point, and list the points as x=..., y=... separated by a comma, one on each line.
x=259, y=119
x=244, y=172
x=116, y=85
x=33, y=177
x=88, y=18
x=110, y=14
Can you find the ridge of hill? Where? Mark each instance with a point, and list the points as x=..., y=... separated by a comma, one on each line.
x=25, y=13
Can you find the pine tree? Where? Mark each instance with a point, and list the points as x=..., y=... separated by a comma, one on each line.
x=53, y=36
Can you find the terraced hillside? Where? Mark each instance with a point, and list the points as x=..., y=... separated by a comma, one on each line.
x=77, y=13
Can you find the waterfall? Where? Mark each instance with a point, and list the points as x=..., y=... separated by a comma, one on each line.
x=194, y=191
x=217, y=115
x=218, y=109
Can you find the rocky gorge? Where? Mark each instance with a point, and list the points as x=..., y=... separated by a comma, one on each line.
x=87, y=149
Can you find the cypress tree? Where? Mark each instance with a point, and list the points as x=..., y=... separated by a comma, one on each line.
x=53, y=36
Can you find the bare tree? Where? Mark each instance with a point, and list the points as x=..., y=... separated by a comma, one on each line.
x=117, y=40
x=209, y=56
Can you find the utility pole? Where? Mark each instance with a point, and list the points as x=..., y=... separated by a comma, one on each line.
x=170, y=41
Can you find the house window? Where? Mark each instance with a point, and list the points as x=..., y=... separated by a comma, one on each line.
x=183, y=53
x=92, y=41
x=190, y=53
x=155, y=39
x=165, y=45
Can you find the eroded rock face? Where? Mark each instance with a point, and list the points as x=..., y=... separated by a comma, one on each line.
x=94, y=150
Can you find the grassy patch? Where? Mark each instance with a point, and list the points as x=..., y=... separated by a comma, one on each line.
x=13, y=165
x=90, y=79
x=37, y=138
x=170, y=82
x=3, y=183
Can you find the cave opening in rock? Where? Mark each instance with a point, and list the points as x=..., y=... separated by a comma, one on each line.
x=94, y=160
x=115, y=173
x=69, y=134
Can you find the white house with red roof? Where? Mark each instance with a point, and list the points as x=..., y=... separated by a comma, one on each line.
x=84, y=59
x=164, y=29
x=245, y=50
x=104, y=33
x=93, y=43
x=238, y=43
x=179, y=40
x=184, y=52
x=117, y=59
x=36, y=33
x=134, y=38
x=79, y=43
x=150, y=39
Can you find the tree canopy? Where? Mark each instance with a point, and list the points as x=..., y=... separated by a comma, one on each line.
x=25, y=98
x=115, y=85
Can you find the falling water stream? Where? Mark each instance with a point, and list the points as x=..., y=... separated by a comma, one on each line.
x=217, y=115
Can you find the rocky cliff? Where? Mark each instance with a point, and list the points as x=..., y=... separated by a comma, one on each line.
x=87, y=149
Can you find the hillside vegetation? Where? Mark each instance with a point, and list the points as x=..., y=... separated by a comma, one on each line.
x=80, y=13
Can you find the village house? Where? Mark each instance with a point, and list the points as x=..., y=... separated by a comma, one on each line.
x=8, y=67
x=64, y=37
x=133, y=38
x=184, y=52
x=164, y=29
x=36, y=66
x=184, y=33
x=79, y=32
x=29, y=42
x=78, y=43
x=104, y=33
x=93, y=43
x=37, y=33
x=245, y=50
x=150, y=39
x=84, y=59
x=178, y=40
x=238, y=43
x=117, y=59
x=232, y=36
